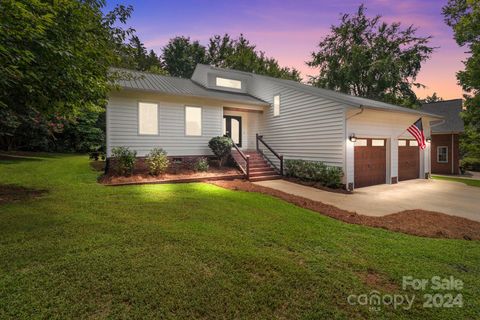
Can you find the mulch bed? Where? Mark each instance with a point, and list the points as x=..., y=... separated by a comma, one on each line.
x=316, y=185
x=416, y=222
x=12, y=193
x=179, y=175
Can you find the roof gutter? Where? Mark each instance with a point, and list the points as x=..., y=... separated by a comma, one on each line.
x=407, y=111
x=439, y=123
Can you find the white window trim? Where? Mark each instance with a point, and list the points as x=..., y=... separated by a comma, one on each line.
x=438, y=154
x=415, y=143
x=376, y=143
x=201, y=121
x=138, y=119
x=361, y=142
x=228, y=83
x=279, y=105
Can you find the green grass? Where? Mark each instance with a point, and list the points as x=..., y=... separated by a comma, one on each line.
x=186, y=251
x=470, y=182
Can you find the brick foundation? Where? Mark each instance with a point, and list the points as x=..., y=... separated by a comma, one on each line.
x=176, y=163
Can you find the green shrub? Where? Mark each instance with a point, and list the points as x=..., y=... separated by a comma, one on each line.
x=124, y=160
x=157, y=161
x=327, y=176
x=221, y=147
x=472, y=164
x=201, y=165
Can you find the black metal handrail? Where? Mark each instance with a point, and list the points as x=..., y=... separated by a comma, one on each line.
x=280, y=157
x=245, y=171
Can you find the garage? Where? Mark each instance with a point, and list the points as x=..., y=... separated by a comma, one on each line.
x=408, y=160
x=370, y=162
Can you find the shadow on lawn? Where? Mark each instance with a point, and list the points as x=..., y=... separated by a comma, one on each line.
x=5, y=159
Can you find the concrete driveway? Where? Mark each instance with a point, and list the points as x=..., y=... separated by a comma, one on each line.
x=448, y=197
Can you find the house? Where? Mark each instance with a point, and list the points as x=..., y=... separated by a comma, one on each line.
x=445, y=151
x=366, y=138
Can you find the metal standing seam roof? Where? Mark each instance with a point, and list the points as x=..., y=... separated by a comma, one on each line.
x=450, y=110
x=150, y=82
x=334, y=95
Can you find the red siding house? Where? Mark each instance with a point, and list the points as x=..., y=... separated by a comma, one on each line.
x=445, y=153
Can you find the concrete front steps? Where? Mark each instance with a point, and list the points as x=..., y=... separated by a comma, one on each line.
x=260, y=169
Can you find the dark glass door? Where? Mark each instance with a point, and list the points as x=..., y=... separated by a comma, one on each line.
x=232, y=127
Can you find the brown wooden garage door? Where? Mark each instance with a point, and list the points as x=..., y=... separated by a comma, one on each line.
x=408, y=160
x=370, y=162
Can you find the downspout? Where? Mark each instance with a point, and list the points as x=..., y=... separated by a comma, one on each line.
x=453, y=172
x=362, y=108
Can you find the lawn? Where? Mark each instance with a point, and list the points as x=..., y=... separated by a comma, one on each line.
x=185, y=251
x=470, y=182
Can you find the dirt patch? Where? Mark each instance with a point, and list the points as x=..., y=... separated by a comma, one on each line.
x=416, y=222
x=373, y=279
x=11, y=193
x=97, y=165
x=174, y=175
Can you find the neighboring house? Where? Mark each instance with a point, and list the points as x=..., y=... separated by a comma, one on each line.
x=445, y=151
x=366, y=138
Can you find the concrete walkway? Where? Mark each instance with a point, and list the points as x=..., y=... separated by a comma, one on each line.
x=448, y=197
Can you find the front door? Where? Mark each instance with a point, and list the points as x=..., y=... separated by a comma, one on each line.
x=232, y=127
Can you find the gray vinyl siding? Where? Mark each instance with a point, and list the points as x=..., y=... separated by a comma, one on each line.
x=308, y=127
x=122, y=128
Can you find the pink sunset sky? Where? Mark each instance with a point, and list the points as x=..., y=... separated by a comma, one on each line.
x=290, y=30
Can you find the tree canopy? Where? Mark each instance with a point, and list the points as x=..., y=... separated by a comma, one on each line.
x=433, y=98
x=464, y=16
x=366, y=57
x=54, y=63
x=181, y=55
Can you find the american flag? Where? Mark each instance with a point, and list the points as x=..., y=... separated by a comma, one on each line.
x=416, y=130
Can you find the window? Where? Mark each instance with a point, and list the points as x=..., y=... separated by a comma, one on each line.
x=228, y=83
x=402, y=143
x=193, y=121
x=361, y=143
x=413, y=143
x=442, y=154
x=147, y=118
x=276, y=105
x=378, y=143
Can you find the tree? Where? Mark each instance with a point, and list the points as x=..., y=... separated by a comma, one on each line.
x=463, y=17
x=54, y=63
x=240, y=54
x=367, y=57
x=432, y=98
x=180, y=56
x=135, y=56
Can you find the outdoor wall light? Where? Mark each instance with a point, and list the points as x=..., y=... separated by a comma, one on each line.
x=429, y=140
x=353, y=138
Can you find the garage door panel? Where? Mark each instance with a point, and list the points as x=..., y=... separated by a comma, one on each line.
x=408, y=162
x=370, y=164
